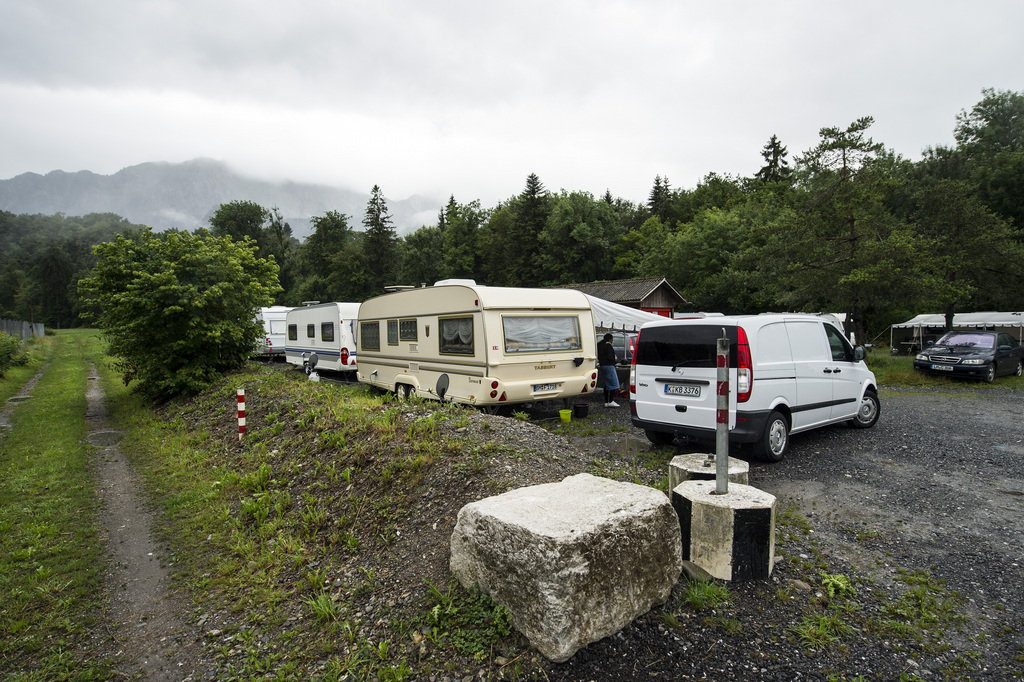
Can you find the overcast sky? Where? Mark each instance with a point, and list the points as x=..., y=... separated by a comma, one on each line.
x=469, y=97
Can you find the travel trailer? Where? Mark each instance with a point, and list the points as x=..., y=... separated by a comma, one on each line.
x=479, y=345
x=322, y=336
x=273, y=320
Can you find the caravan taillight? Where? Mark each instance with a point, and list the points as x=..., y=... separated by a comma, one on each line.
x=744, y=368
x=344, y=356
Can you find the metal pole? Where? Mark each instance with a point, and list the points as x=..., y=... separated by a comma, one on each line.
x=722, y=419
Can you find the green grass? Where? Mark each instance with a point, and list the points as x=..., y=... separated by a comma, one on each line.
x=899, y=370
x=51, y=566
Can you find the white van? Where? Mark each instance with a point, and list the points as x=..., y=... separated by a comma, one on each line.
x=322, y=336
x=479, y=345
x=787, y=373
x=273, y=320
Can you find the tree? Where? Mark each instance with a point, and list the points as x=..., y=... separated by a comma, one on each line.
x=837, y=248
x=238, y=220
x=660, y=199
x=460, y=238
x=530, y=211
x=177, y=308
x=577, y=241
x=970, y=253
x=380, y=242
x=776, y=167
x=995, y=124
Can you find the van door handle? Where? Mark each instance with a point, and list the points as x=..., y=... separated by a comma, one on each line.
x=827, y=370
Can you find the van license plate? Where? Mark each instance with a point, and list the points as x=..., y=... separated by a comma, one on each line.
x=537, y=388
x=680, y=389
x=943, y=368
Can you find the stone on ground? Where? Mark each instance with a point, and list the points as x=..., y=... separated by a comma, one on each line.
x=574, y=561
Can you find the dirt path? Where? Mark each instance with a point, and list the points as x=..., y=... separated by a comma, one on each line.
x=150, y=639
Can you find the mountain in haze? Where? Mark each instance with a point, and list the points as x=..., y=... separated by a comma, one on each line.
x=185, y=195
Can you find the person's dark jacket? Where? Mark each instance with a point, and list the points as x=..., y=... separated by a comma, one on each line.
x=605, y=353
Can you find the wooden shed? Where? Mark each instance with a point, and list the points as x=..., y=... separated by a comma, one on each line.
x=653, y=294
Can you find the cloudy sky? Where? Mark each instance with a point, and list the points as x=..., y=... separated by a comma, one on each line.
x=469, y=97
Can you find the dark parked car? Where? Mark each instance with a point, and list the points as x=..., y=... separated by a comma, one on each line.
x=981, y=355
x=623, y=343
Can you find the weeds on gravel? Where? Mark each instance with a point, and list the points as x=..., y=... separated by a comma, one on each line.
x=925, y=611
x=51, y=566
x=701, y=594
x=466, y=620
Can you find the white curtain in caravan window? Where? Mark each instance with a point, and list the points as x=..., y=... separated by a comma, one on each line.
x=532, y=334
x=457, y=335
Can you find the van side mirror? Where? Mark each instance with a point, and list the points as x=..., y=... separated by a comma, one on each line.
x=859, y=353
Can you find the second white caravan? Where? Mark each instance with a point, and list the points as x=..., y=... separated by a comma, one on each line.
x=479, y=345
x=322, y=336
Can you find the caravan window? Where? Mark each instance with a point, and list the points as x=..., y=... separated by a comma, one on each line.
x=535, y=333
x=277, y=326
x=407, y=330
x=457, y=335
x=369, y=336
x=293, y=332
x=327, y=331
x=310, y=331
x=392, y=332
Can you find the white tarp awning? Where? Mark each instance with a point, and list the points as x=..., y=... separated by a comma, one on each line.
x=613, y=316
x=965, y=320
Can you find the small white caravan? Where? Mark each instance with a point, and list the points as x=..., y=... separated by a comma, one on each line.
x=479, y=345
x=322, y=336
x=273, y=320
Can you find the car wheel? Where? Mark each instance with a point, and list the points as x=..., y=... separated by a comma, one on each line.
x=659, y=437
x=868, y=413
x=309, y=370
x=775, y=442
x=1020, y=368
x=990, y=373
x=403, y=391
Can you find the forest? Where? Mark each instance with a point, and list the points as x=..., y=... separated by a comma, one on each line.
x=847, y=227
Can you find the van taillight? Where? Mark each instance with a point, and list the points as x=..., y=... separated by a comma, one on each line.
x=632, y=368
x=344, y=356
x=744, y=368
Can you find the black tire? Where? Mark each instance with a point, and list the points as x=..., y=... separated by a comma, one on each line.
x=990, y=374
x=1020, y=368
x=867, y=414
x=403, y=391
x=774, y=443
x=659, y=437
x=309, y=370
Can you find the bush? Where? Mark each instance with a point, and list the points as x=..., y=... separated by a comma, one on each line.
x=12, y=353
x=178, y=308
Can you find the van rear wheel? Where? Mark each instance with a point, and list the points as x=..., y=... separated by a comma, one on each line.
x=659, y=437
x=774, y=442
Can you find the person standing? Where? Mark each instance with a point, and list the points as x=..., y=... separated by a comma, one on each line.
x=606, y=366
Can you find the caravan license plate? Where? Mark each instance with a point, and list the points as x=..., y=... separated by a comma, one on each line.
x=538, y=388
x=680, y=389
x=943, y=368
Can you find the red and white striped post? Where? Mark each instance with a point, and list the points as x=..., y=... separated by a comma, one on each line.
x=241, y=413
x=722, y=419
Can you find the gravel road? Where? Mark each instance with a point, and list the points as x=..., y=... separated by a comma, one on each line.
x=922, y=513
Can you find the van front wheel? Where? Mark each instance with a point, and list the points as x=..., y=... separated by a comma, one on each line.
x=775, y=442
x=867, y=415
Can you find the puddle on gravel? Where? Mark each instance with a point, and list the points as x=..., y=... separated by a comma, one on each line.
x=104, y=438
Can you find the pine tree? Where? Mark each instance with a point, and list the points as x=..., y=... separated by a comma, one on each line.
x=380, y=243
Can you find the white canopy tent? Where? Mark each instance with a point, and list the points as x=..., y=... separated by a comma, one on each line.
x=610, y=316
x=913, y=333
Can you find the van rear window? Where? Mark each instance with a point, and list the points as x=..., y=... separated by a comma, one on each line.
x=684, y=346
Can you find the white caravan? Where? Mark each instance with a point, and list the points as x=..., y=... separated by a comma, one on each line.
x=479, y=345
x=322, y=336
x=273, y=320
